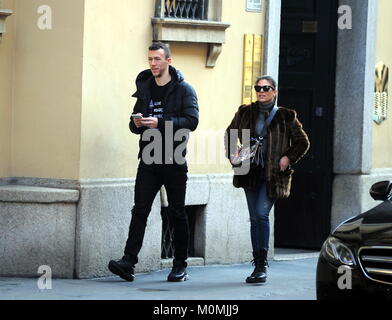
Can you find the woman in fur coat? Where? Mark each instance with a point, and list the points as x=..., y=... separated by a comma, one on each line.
x=283, y=143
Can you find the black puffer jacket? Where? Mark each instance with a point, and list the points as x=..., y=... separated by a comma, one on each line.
x=180, y=106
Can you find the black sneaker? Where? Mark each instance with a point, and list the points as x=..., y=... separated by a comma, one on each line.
x=122, y=268
x=177, y=274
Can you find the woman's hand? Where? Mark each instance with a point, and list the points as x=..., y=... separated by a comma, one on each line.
x=284, y=163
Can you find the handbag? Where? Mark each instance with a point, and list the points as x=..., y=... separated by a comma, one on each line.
x=253, y=153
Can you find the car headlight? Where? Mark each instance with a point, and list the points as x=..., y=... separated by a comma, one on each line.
x=336, y=250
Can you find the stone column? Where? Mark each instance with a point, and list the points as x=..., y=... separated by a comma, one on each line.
x=356, y=50
x=271, y=67
x=272, y=38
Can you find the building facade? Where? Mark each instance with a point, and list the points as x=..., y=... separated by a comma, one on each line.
x=68, y=161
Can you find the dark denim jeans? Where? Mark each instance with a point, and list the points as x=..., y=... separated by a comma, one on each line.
x=259, y=206
x=149, y=180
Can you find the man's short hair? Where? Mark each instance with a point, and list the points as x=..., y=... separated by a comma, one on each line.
x=160, y=45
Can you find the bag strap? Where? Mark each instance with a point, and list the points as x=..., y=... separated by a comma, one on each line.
x=269, y=119
x=271, y=115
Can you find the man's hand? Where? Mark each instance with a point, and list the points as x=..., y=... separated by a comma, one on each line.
x=284, y=163
x=150, y=122
x=138, y=121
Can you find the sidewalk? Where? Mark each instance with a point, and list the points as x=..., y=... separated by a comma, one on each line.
x=287, y=280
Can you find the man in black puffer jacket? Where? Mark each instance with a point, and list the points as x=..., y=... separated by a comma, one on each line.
x=165, y=112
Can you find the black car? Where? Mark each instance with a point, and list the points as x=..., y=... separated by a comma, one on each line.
x=356, y=259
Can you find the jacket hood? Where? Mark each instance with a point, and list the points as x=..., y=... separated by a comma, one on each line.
x=371, y=227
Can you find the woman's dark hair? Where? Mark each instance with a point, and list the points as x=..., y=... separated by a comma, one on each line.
x=160, y=45
x=271, y=80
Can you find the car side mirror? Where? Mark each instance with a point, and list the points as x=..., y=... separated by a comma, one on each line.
x=381, y=190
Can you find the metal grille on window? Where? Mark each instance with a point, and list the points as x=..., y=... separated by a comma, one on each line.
x=186, y=9
x=168, y=232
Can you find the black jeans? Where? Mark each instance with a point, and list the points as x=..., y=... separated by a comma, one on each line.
x=149, y=180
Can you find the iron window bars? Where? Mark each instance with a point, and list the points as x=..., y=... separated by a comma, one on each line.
x=186, y=9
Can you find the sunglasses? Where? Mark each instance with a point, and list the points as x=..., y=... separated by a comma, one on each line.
x=264, y=88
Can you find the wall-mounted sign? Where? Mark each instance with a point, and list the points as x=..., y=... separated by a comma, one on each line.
x=253, y=5
x=381, y=93
x=252, y=66
x=309, y=26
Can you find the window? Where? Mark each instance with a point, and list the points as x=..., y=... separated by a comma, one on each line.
x=196, y=21
x=185, y=9
x=167, y=246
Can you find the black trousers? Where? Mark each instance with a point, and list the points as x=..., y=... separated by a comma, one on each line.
x=149, y=180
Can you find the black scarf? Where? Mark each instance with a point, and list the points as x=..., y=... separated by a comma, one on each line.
x=264, y=110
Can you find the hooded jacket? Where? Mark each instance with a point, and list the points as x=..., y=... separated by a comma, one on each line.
x=180, y=108
x=285, y=138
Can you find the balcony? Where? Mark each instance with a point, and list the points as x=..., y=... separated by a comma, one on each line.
x=197, y=21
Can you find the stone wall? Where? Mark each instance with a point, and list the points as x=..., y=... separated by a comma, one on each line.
x=37, y=227
x=78, y=226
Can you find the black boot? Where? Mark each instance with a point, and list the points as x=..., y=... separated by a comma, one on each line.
x=178, y=272
x=259, y=274
x=124, y=268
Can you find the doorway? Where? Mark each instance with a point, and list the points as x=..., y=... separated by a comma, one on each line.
x=307, y=66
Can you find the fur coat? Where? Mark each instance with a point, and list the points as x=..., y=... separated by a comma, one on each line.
x=285, y=138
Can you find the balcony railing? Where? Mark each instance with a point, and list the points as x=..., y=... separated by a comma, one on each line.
x=186, y=9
